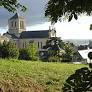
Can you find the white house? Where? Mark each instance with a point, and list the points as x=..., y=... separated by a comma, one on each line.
x=84, y=54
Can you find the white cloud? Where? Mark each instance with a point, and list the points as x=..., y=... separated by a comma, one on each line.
x=69, y=30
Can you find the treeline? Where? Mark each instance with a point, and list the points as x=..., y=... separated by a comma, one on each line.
x=55, y=50
x=58, y=50
x=9, y=50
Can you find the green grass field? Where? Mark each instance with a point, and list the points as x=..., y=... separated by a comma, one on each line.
x=23, y=76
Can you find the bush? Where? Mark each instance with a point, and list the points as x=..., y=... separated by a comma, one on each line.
x=9, y=50
x=53, y=59
x=29, y=53
x=23, y=54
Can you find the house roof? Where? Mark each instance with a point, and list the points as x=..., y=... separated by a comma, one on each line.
x=34, y=34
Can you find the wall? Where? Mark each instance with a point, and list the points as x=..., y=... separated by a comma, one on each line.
x=24, y=42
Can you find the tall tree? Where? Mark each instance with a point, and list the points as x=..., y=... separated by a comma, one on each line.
x=9, y=50
x=54, y=45
x=70, y=50
x=57, y=9
x=12, y=5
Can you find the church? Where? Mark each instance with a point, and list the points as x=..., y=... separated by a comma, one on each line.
x=18, y=34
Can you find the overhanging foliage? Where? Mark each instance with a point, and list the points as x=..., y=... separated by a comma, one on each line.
x=57, y=9
x=12, y=5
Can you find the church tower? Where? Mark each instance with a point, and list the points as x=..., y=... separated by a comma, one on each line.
x=16, y=25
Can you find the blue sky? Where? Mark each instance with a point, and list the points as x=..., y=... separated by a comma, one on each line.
x=35, y=20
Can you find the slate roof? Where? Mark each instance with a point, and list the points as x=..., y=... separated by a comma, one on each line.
x=34, y=34
x=11, y=35
x=16, y=16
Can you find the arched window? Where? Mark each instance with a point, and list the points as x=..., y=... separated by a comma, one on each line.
x=38, y=44
x=12, y=24
x=41, y=45
x=15, y=23
x=21, y=24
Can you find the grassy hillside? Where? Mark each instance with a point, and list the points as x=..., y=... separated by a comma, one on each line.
x=23, y=76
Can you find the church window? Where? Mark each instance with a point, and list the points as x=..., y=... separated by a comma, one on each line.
x=41, y=45
x=15, y=24
x=23, y=45
x=38, y=44
x=12, y=23
x=21, y=24
x=31, y=41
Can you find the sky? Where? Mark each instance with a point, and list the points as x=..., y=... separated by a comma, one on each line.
x=35, y=20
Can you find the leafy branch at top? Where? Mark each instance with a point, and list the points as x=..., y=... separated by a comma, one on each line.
x=67, y=9
x=12, y=5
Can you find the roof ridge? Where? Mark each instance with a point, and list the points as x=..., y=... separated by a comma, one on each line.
x=15, y=16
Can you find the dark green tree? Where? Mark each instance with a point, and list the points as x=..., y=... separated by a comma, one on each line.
x=64, y=51
x=69, y=52
x=67, y=9
x=9, y=50
x=12, y=5
x=54, y=45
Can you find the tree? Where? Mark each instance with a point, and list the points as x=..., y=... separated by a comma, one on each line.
x=12, y=5
x=57, y=9
x=9, y=50
x=54, y=45
x=69, y=52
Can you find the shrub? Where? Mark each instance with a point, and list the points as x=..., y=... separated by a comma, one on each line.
x=23, y=54
x=53, y=59
x=29, y=53
x=9, y=50
x=32, y=51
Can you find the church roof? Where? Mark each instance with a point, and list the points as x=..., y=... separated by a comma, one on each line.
x=34, y=34
x=15, y=16
x=11, y=35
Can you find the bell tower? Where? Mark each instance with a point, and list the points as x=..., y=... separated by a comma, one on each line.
x=16, y=25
